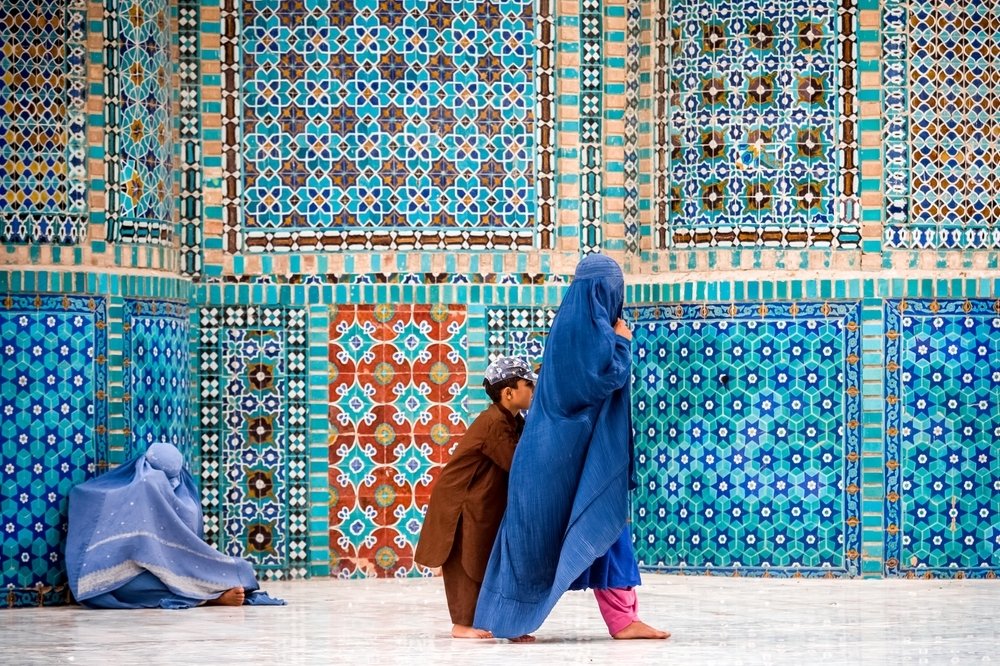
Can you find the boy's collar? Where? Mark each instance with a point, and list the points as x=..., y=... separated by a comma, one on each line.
x=504, y=411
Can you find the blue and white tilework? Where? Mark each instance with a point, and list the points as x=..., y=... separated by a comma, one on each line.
x=53, y=431
x=253, y=416
x=156, y=343
x=747, y=438
x=942, y=155
x=383, y=124
x=42, y=122
x=138, y=140
x=517, y=331
x=942, y=414
x=755, y=124
x=192, y=195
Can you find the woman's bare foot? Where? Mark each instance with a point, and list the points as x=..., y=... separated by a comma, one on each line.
x=462, y=631
x=527, y=638
x=640, y=630
x=231, y=597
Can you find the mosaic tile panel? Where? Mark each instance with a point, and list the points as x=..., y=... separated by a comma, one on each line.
x=591, y=127
x=518, y=331
x=156, y=340
x=633, y=48
x=747, y=433
x=53, y=432
x=398, y=382
x=191, y=177
x=253, y=410
x=384, y=125
x=138, y=144
x=755, y=124
x=545, y=119
x=942, y=415
x=42, y=122
x=942, y=153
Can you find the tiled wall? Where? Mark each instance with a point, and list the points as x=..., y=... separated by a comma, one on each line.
x=88, y=371
x=942, y=424
x=368, y=201
x=398, y=383
x=253, y=414
x=42, y=74
x=748, y=427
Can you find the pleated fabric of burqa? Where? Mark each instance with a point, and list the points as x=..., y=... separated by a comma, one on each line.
x=566, y=524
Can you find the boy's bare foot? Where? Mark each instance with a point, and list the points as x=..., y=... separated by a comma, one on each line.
x=231, y=597
x=527, y=638
x=462, y=631
x=640, y=630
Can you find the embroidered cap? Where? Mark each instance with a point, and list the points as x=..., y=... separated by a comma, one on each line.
x=507, y=367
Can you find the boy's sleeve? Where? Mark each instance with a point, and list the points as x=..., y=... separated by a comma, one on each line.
x=498, y=446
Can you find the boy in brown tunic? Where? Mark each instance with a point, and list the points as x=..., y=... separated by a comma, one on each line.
x=469, y=499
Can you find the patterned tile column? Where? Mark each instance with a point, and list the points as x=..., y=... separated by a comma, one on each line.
x=633, y=47
x=253, y=416
x=191, y=177
x=138, y=139
x=157, y=362
x=397, y=407
x=545, y=120
x=591, y=144
x=942, y=420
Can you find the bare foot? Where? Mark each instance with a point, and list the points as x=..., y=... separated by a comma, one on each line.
x=527, y=638
x=640, y=630
x=462, y=631
x=231, y=597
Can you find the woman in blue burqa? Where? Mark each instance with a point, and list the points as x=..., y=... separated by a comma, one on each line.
x=567, y=520
x=135, y=541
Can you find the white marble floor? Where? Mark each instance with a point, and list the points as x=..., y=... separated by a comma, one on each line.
x=713, y=620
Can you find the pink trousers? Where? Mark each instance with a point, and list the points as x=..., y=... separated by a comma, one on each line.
x=619, y=607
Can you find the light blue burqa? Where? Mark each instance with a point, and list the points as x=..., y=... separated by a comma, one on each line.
x=567, y=510
x=135, y=540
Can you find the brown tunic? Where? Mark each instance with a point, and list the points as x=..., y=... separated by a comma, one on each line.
x=473, y=487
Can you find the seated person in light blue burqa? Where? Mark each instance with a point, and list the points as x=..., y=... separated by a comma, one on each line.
x=135, y=541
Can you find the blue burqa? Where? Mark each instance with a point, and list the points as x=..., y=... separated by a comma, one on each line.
x=567, y=510
x=135, y=540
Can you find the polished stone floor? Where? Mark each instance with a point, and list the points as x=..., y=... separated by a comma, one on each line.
x=713, y=620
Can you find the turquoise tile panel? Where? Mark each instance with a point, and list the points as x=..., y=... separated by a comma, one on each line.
x=942, y=423
x=53, y=434
x=746, y=421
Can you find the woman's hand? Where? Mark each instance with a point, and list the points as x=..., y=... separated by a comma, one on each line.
x=622, y=329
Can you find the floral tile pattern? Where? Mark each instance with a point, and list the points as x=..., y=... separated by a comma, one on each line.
x=398, y=382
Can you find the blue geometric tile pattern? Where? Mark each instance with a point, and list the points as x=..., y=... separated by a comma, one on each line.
x=42, y=122
x=518, y=331
x=53, y=432
x=253, y=416
x=591, y=135
x=545, y=121
x=385, y=124
x=755, y=130
x=747, y=438
x=191, y=177
x=942, y=415
x=157, y=360
x=942, y=158
x=633, y=52
x=138, y=150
